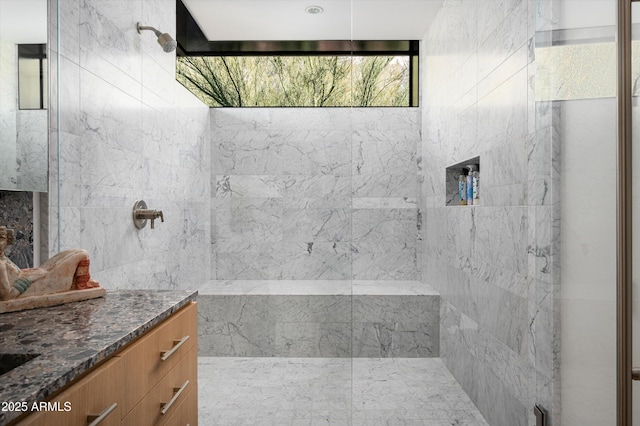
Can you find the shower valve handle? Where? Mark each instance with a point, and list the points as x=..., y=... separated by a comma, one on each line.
x=157, y=214
x=141, y=214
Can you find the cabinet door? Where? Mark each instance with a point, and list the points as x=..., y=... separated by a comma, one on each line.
x=152, y=356
x=100, y=392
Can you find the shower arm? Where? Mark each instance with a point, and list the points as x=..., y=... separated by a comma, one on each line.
x=165, y=40
x=141, y=28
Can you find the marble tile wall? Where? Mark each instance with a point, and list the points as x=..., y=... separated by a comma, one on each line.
x=8, y=111
x=128, y=131
x=319, y=326
x=495, y=265
x=386, y=326
x=320, y=194
x=32, y=146
x=23, y=133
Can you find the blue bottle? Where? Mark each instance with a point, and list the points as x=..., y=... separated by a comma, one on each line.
x=462, y=188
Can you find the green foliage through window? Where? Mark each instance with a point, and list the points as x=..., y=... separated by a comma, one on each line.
x=297, y=81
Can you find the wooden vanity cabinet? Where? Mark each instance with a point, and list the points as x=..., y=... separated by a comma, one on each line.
x=152, y=381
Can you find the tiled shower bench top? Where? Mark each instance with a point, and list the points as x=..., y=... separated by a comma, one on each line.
x=318, y=318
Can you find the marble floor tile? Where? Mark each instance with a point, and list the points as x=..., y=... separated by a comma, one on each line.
x=331, y=391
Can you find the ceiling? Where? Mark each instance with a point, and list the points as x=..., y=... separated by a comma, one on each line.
x=222, y=20
x=23, y=21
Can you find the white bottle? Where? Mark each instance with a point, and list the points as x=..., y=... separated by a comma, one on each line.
x=476, y=185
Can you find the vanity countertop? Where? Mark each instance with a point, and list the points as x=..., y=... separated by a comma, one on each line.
x=74, y=337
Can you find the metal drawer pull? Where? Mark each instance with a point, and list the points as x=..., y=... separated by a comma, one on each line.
x=176, y=345
x=96, y=419
x=177, y=391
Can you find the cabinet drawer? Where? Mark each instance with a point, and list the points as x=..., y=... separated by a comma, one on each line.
x=172, y=390
x=143, y=361
x=92, y=395
x=187, y=412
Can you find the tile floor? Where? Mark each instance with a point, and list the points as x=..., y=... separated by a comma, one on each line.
x=319, y=391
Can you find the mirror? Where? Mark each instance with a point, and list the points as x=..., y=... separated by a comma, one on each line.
x=23, y=95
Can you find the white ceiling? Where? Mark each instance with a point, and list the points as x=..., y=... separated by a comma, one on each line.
x=23, y=21
x=287, y=20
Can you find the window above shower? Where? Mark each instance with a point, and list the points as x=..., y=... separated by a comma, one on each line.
x=298, y=81
x=241, y=70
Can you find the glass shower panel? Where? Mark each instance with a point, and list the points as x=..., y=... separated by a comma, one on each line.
x=576, y=105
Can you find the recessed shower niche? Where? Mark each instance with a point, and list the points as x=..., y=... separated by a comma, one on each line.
x=463, y=183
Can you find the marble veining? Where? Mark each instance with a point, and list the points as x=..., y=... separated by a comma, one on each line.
x=384, y=186
x=8, y=114
x=335, y=195
x=494, y=265
x=117, y=87
x=32, y=151
x=331, y=391
x=319, y=318
x=316, y=287
x=72, y=338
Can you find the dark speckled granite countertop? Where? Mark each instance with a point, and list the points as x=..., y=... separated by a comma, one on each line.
x=74, y=337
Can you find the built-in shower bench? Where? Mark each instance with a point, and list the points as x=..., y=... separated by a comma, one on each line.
x=318, y=318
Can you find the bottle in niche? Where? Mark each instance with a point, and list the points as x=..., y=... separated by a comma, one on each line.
x=470, y=184
x=476, y=185
x=462, y=188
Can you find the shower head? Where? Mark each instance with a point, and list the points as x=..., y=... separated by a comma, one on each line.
x=164, y=39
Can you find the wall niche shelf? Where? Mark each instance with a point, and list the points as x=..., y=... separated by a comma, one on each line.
x=452, y=175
